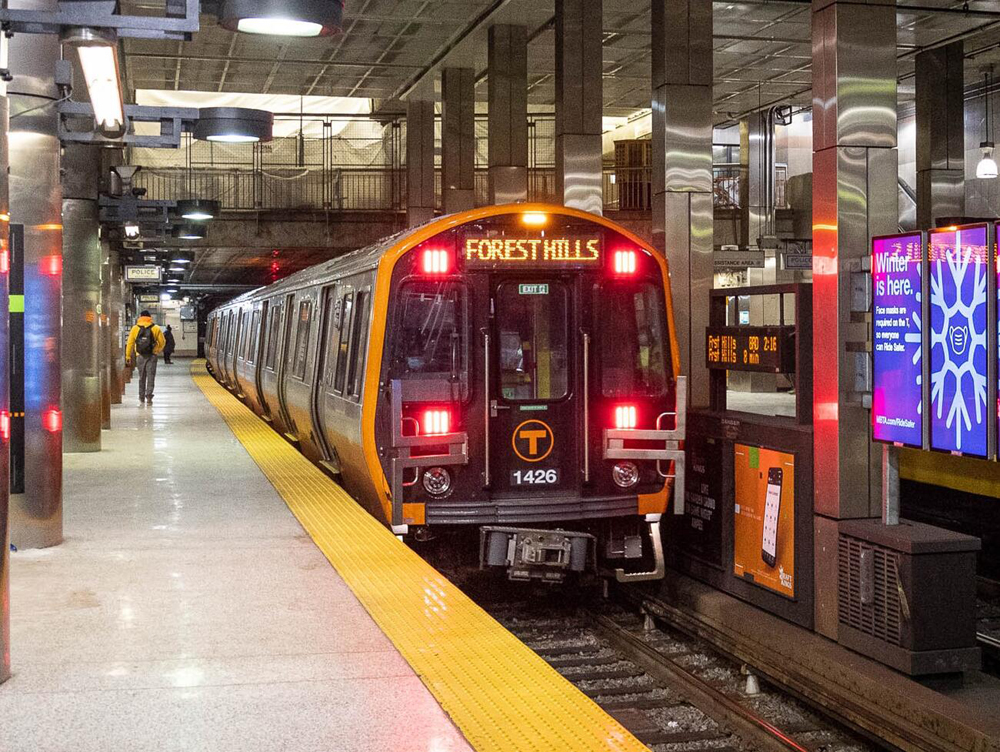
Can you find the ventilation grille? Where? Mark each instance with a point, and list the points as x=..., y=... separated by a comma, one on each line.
x=870, y=590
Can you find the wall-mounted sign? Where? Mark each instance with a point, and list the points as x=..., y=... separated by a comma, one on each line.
x=764, y=519
x=897, y=348
x=531, y=251
x=751, y=258
x=958, y=259
x=751, y=348
x=149, y=298
x=797, y=261
x=142, y=274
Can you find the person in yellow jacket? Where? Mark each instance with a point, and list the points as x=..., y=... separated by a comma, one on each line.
x=145, y=343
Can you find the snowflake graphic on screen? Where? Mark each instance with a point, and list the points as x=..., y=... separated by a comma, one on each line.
x=959, y=342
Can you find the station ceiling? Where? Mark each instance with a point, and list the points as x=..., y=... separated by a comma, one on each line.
x=762, y=50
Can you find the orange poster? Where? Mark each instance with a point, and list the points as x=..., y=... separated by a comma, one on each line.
x=764, y=538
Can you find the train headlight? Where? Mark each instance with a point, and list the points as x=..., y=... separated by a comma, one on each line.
x=625, y=474
x=437, y=481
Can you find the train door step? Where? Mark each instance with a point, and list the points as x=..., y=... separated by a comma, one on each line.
x=291, y=437
x=331, y=467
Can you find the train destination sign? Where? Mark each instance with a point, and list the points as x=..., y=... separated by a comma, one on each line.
x=751, y=348
x=551, y=250
x=897, y=349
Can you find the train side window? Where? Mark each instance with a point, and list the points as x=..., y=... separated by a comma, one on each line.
x=302, y=339
x=359, y=340
x=273, y=330
x=254, y=338
x=634, y=340
x=429, y=334
x=347, y=305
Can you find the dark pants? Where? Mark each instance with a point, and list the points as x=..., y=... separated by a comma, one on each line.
x=146, y=364
x=166, y=355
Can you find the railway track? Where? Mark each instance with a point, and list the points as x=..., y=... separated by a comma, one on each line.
x=671, y=691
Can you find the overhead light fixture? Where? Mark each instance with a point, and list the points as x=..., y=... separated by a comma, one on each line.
x=198, y=209
x=234, y=125
x=131, y=230
x=181, y=257
x=287, y=18
x=987, y=167
x=98, y=51
x=191, y=231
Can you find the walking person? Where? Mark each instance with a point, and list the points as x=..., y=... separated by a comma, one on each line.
x=145, y=343
x=168, y=349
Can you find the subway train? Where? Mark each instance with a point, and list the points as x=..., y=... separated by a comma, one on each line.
x=510, y=371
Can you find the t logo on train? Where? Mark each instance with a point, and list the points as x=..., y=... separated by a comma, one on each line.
x=485, y=376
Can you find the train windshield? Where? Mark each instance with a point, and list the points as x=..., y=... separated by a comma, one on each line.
x=431, y=323
x=634, y=341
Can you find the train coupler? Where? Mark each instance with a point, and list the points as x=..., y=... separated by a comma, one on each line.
x=546, y=555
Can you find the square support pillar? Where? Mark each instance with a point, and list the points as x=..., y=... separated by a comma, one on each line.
x=682, y=172
x=420, y=199
x=854, y=197
x=579, y=104
x=458, y=139
x=940, y=85
x=508, y=102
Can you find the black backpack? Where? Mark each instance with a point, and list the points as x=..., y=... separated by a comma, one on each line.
x=145, y=341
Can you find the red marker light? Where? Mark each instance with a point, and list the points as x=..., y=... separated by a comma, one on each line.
x=4, y=261
x=52, y=421
x=625, y=417
x=5, y=425
x=51, y=265
x=625, y=262
x=436, y=422
x=436, y=261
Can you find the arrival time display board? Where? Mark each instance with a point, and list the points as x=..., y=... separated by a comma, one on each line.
x=958, y=269
x=750, y=348
x=897, y=349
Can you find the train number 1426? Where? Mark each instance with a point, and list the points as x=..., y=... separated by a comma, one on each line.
x=534, y=477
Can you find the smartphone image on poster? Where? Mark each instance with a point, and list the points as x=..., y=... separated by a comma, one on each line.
x=772, y=505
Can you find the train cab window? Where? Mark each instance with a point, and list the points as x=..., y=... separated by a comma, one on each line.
x=533, y=326
x=634, y=341
x=359, y=339
x=272, y=337
x=430, y=332
x=346, y=306
x=302, y=339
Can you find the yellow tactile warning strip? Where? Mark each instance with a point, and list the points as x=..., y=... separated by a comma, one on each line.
x=498, y=692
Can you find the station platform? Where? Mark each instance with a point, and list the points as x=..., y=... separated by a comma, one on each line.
x=188, y=609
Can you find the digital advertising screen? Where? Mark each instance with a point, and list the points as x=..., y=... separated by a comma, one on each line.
x=764, y=519
x=897, y=348
x=958, y=268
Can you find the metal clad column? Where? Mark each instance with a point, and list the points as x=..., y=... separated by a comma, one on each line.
x=419, y=161
x=854, y=197
x=36, y=204
x=115, y=316
x=458, y=139
x=4, y=404
x=104, y=318
x=940, y=85
x=82, y=258
x=508, y=102
x=579, y=103
x=682, y=171
x=758, y=147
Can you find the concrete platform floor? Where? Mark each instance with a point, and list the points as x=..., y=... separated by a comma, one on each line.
x=188, y=610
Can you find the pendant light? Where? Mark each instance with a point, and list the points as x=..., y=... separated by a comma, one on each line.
x=987, y=167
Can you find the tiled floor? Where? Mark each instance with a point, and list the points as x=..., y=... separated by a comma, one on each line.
x=187, y=610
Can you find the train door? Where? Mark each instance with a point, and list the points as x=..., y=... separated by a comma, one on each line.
x=286, y=342
x=259, y=345
x=532, y=400
x=325, y=398
x=233, y=364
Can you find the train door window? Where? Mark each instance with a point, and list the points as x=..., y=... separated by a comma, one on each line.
x=254, y=337
x=302, y=339
x=429, y=334
x=359, y=339
x=346, y=306
x=634, y=341
x=331, y=320
x=533, y=326
x=272, y=337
